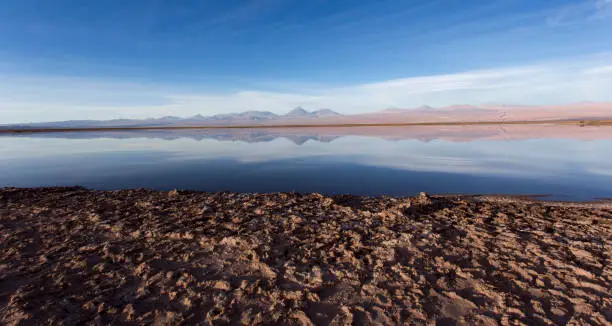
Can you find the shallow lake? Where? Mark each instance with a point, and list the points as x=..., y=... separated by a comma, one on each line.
x=566, y=165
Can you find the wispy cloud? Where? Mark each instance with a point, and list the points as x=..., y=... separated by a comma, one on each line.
x=603, y=70
x=27, y=98
x=603, y=9
x=584, y=11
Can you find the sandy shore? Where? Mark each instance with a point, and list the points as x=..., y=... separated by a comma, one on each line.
x=71, y=256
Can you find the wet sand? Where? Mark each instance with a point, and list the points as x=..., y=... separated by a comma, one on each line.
x=71, y=256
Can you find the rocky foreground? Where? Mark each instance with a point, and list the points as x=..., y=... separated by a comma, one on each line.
x=71, y=256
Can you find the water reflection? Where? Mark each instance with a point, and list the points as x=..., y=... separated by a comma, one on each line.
x=569, y=163
x=300, y=136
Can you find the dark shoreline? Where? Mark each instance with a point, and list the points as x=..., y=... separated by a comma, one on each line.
x=344, y=125
x=72, y=255
x=522, y=199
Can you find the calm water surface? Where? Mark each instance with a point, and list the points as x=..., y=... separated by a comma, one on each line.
x=565, y=169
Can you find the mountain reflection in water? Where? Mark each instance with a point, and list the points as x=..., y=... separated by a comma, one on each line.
x=566, y=162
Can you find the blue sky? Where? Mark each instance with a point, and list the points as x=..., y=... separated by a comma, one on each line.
x=69, y=59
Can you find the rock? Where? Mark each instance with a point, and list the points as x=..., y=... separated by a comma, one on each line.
x=289, y=259
x=423, y=199
x=222, y=285
x=129, y=312
x=343, y=318
x=300, y=318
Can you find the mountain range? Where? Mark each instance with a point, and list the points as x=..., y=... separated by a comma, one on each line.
x=300, y=116
x=246, y=117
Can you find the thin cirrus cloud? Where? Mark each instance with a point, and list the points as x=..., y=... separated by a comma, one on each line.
x=583, y=11
x=604, y=70
x=29, y=99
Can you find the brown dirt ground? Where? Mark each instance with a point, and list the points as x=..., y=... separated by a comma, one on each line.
x=72, y=256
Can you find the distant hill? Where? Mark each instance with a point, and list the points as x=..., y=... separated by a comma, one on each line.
x=325, y=113
x=298, y=112
x=247, y=115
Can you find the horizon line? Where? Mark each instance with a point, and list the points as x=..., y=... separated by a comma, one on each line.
x=578, y=122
